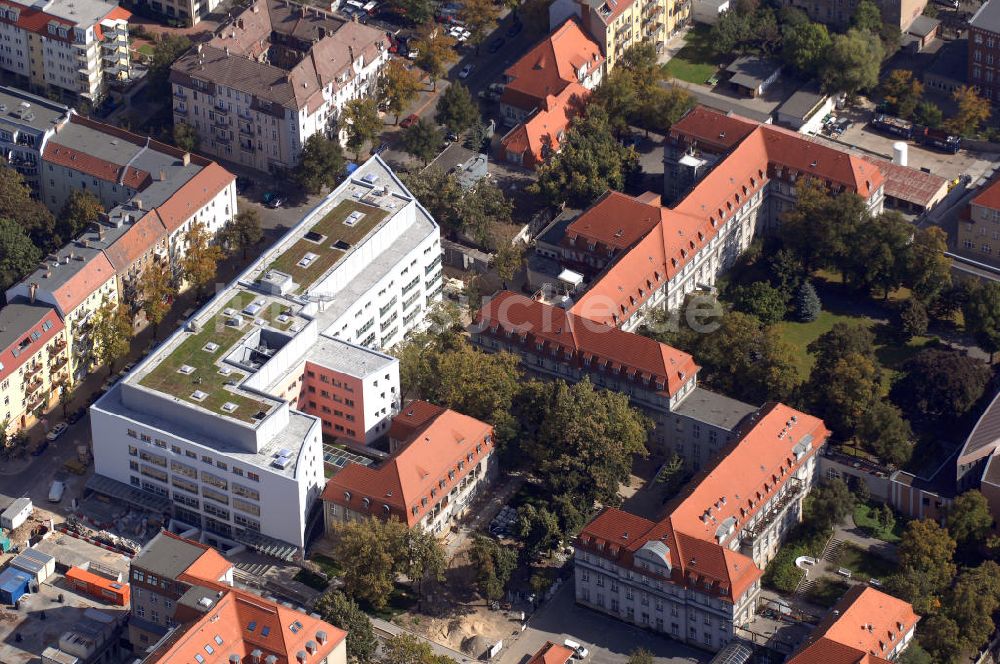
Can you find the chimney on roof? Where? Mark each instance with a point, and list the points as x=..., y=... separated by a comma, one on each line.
x=32, y=290
x=198, y=49
x=239, y=23
x=100, y=231
x=163, y=176
x=137, y=202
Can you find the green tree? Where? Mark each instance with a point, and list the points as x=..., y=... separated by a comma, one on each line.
x=972, y=601
x=881, y=261
x=830, y=503
x=508, y=258
x=415, y=12
x=928, y=113
x=407, y=649
x=618, y=96
x=867, y=16
x=852, y=389
x=926, y=565
x=538, y=529
x=398, y=86
x=156, y=285
x=590, y=161
x=435, y=51
x=494, y=565
x=341, y=611
x=422, y=140
x=370, y=550
x=973, y=111
x=167, y=47
x=822, y=230
x=242, y=232
x=422, y=558
x=841, y=340
x=982, y=315
x=440, y=193
x=111, y=335
x=662, y=107
x=902, y=92
x=81, y=209
x=456, y=109
x=915, y=653
x=853, y=62
x=929, y=270
x=762, y=300
x=201, y=257
x=968, y=518
x=321, y=164
x=482, y=209
x=942, y=638
x=18, y=254
x=885, y=517
x=31, y=216
x=363, y=124
x=587, y=441
x=910, y=319
x=732, y=32
x=807, y=304
x=885, y=433
x=941, y=383
x=186, y=137
x=805, y=47
x=480, y=17
x=640, y=656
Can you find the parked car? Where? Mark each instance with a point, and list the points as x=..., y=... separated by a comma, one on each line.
x=466, y=70
x=379, y=149
x=514, y=30
x=56, y=431
x=496, y=44
x=579, y=652
x=56, y=491
x=409, y=121
x=76, y=415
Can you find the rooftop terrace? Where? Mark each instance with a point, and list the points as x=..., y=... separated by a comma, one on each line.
x=194, y=369
x=327, y=241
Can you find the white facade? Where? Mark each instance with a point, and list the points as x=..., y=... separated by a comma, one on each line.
x=239, y=476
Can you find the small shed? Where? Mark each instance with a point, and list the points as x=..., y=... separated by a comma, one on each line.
x=708, y=11
x=805, y=109
x=40, y=565
x=923, y=31
x=16, y=513
x=753, y=75
x=13, y=584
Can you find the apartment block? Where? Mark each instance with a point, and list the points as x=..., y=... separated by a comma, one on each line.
x=979, y=228
x=34, y=362
x=866, y=625
x=72, y=48
x=543, y=90
x=188, y=12
x=984, y=51
x=153, y=193
x=222, y=425
x=185, y=609
x=695, y=574
x=616, y=26
x=27, y=122
x=439, y=461
x=271, y=78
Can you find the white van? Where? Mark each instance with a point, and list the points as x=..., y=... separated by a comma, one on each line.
x=579, y=651
x=56, y=491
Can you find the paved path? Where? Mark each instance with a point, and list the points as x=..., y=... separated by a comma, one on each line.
x=386, y=629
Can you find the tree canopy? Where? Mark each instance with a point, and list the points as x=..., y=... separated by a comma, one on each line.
x=422, y=139
x=201, y=257
x=111, y=334
x=397, y=87
x=941, y=383
x=981, y=311
x=902, y=92
x=341, y=611
x=242, y=232
x=321, y=164
x=156, y=286
x=968, y=518
x=973, y=110
x=30, y=215
x=926, y=565
x=805, y=47
x=81, y=209
x=494, y=565
x=456, y=109
x=853, y=62
x=434, y=51
x=18, y=254
x=360, y=118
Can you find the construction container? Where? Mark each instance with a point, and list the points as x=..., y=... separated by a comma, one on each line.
x=39, y=565
x=107, y=590
x=13, y=584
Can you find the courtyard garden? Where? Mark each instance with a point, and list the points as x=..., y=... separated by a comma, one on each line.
x=697, y=61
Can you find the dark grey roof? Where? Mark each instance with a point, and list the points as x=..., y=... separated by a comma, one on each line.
x=991, y=474
x=950, y=61
x=723, y=104
x=18, y=318
x=22, y=109
x=923, y=26
x=803, y=102
x=987, y=429
x=751, y=71
x=987, y=17
x=167, y=556
x=713, y=408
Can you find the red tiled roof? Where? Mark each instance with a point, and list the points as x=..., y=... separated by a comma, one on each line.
x=909, y=184
x=35, y=20
x=989, y=196
x=866, y=625
x=29, y=318
x=544, y=130
x=412, y=418
x=61, y=155
x=433, y=454
x=550, y=66
x=193, y=195
x=94, y=274
x=583, y=342
x=136, y=241
x=551, y=653
x=616, y=221
x=711, y=129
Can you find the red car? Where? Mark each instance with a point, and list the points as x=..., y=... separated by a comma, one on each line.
x=409, y=120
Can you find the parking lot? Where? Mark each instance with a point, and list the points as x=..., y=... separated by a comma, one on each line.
x=609, y=640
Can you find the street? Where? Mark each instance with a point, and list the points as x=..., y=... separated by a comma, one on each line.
x=610, y=641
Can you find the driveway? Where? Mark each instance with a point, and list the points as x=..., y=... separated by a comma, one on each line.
x=610, y=641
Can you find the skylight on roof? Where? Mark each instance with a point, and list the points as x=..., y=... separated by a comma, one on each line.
x=307, y=260
x=225, y=371
x=210, y=347
x=252, y=309
x=218, y=639
x=186, y=369
x=252, y=626
x=229, y=407
x=265, y=630
x=353, y=218
x=198, y=395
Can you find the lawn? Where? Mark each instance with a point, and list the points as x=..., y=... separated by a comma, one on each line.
x=864, y=518
x=863, y=564
x=206, y=377
x=327, y=564
x=826, y=592
x=697, y=61
x=332, y=238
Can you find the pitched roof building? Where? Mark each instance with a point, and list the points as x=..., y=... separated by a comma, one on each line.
x=865, y=627
x=544, y=90
x=277, y=64
x=438, y=460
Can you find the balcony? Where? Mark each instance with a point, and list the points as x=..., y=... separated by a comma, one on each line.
x=778, y=505
x=180, y=110
x=35, y=403
x=58, y=344
x=59, y=363
x=32, y=386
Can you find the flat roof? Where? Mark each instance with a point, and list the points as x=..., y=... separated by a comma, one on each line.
x=24, y=109
x=714, y=408
x=72, y=551
x=803, y=101
x=348, y=358
x=751, y=71
x=82, y=12
x=167, y=556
